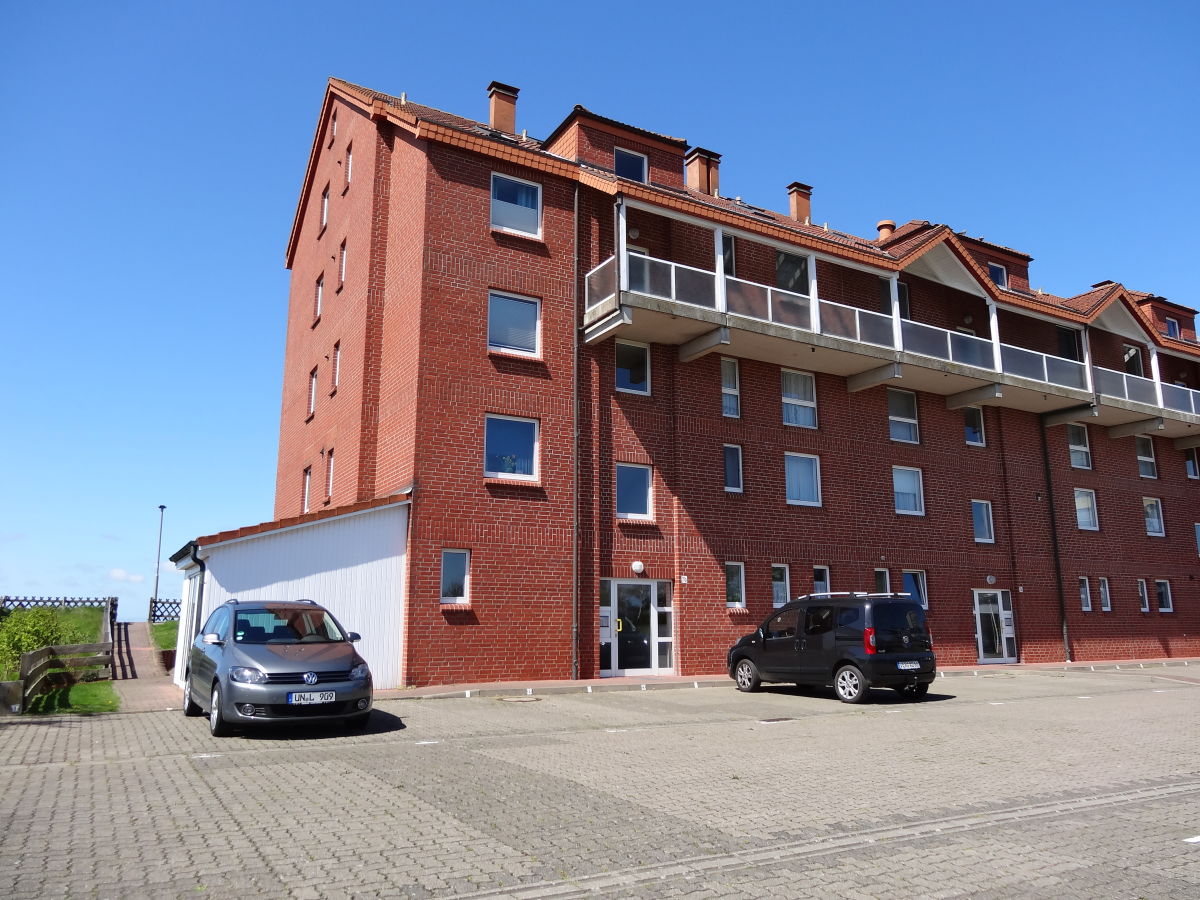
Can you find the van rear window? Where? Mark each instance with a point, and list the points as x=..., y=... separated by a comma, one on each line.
x=899, y=617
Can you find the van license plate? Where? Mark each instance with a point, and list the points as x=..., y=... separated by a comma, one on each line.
x=908, y=664
x=312, y=697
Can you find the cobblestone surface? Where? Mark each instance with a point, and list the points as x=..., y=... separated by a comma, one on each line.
x=1043, y=784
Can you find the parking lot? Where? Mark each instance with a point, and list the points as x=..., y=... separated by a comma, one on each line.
x=1035, y=784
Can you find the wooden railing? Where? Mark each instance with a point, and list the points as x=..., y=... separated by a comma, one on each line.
x=51, y=667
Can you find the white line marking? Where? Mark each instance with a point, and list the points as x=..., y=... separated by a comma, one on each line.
x=1083, y=698
x=419, y=743
x=1195, y=840
x=616, y=730
x=996, y=703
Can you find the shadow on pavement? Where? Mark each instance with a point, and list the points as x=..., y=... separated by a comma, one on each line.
x=877, y=697
x=380, y=723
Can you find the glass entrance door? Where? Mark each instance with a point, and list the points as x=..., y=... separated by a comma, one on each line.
x=995, y=630
x=635, y=628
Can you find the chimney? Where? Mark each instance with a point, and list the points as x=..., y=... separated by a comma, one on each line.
x=502, y=107
x=886, y=228
x=701, y=171
x=800, y=201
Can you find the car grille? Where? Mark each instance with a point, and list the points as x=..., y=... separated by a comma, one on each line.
x=287, y=711
x=298, y=677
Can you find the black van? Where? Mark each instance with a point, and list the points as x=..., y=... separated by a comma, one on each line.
x=850, y=640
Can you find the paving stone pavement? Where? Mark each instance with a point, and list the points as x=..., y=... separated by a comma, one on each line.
x=1017, y=784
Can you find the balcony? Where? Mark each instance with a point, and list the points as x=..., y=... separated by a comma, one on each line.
x=700, y=311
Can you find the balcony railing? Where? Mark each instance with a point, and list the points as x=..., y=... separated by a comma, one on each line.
x=671, y=281
x=1043, y=367
x=1125, y=386
x=953, y=346
x=601, y=282
x=1181, y=399
x=758, y=301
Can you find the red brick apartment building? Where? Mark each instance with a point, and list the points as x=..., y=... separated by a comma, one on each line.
x=631, y=414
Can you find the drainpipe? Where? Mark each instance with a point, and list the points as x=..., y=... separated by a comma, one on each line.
x=1054, y=545
x=575, y=454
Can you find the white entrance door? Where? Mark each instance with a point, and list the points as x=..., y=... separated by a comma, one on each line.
x=995, y=631
x=635, y=628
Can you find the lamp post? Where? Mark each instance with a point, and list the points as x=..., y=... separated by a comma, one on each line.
x=157, y=560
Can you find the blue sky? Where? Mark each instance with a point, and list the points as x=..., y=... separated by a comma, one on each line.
x=153, y=153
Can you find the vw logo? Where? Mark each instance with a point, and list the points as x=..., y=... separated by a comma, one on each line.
x=310, y=677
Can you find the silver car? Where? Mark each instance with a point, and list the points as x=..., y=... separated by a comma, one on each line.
x=280, y=661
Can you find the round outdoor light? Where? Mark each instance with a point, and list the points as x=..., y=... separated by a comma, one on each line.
x=638, y=567
x=991, y=579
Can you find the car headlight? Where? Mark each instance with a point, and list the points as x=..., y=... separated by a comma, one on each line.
x=247, y=676
x=360, y=672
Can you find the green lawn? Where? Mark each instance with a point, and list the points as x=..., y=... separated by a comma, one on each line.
x=164, y=634
x=85, y=697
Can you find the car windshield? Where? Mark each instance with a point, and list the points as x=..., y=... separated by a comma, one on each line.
x=284, y=625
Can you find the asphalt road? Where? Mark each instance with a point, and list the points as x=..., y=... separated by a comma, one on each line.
x=1037, y=784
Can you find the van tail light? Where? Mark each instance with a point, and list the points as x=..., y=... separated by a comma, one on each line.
x=869, y=641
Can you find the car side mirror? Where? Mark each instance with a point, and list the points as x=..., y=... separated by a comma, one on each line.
x=213, y=638
x=353, y=636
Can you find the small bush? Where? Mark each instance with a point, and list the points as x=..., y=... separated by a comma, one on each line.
x=25, y=630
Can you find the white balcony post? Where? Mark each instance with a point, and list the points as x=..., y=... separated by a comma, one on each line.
x=814, y=303
x=994, y=327
x=622, y=246
x=1087, y=359
x=894, y=293
x=1155, y=372
x=719, y=268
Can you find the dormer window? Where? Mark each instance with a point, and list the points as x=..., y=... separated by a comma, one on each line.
x=1172, y=328
x=631, y=165
x=998, y=274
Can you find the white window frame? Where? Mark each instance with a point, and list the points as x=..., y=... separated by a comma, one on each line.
x=1143, y=595
x=920, y=511
x=741, y=570
x=537, y=449
x=982, y=442
x=648, y=516
x=1162, y=519
x=915, y=421
x=645, y=163
x=887, y=581
x=1085, y=449
x=991, y=526
x=536, y=352
x=803, y=404
x=1002, y=281
x=319, y=296
x=1105, y=595
x=332, y=127
x=1172, y=327
x=1085, y=594
x=328, y=473
x=734, y=393
x=787, y=584
x=337, y=365
x=725, y=469
x=325, y=207
x=919, y=576
x=1162, y=591
x=492, y=197
x=1146, y=462
x=1132, y=351
x=312, y=390
x=827, y=581
x=349, y=165
x=1087, y=492
x=816, y=475
x=466, y=594
x=1191, y=462
x=645, y=348
x=728, y=240
x=307, y=489
x=342, y=264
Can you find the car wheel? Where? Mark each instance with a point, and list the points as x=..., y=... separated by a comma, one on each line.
x=190, y=706
x=745, y=675
x=217, y=726
x=849, y=685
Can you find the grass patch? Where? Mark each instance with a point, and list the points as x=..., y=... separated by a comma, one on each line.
x=164, y=634
x=83, y=623
x=86, y=697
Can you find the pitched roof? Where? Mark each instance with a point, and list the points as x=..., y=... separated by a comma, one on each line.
x=583, y=112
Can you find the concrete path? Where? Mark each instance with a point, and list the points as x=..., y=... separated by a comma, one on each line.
x=138, y=675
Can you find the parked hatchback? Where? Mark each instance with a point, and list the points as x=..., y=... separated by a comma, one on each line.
x=853, y=641
x=254, y=663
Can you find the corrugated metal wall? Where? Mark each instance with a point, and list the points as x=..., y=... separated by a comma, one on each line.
x=352, y=565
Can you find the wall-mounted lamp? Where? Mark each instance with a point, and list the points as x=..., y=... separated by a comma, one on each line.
x=634, y=234
x=638, y=567
x=991, y=579
x=968, y=319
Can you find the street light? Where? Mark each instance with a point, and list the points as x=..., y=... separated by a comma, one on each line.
x=157, y=560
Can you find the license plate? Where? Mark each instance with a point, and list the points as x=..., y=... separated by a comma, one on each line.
x=908, y=664
x=312, y=697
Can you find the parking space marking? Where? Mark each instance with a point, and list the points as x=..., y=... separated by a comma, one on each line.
x=1192, y=840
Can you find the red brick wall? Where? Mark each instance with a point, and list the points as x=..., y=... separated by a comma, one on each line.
x=595, y=145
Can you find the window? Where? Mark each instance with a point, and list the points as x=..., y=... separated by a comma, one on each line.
x=791, y=273
x=821, y=580
x=733, y=468
x=902, y=416
x=1172, y=328
x=349, y=164
x=1198, y=538
x=981, y=515
x=885, y=297
x=342, y=264
x=1145, y=457
x=510, y=447
x=1162, y=589
x=329, y=473
x=513, y=324
x=337, y=365
x=634, y=500
x=319, y=296
x=735, y=584
x=1191, y=462
x=516, y=205
x=1085, y=510
x=456, y=564
x=1105, y=596
x=910, y=497
x=1085, y=595
x=799, y=399
x=324, y=207
x=312, y=391
x=1069, y=346
x=1143, y=597
x=1133, y=360
x=1155, y=526
x=306, y=488
x=802, y=474
x=914, y=586
x=973, y=426
x=1081, y=453
x=783, y=625
x=631, y=165
x=731, y=398
x=781, y=584
x=728, y=255
x=633, y=368
x=332, y=127
x=818, y=620
x=883, y=581
x=998, y=274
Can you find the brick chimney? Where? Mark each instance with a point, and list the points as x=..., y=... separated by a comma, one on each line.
x=886, y=228
x=502, y=107
x=800, y=201
x=701, y=168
